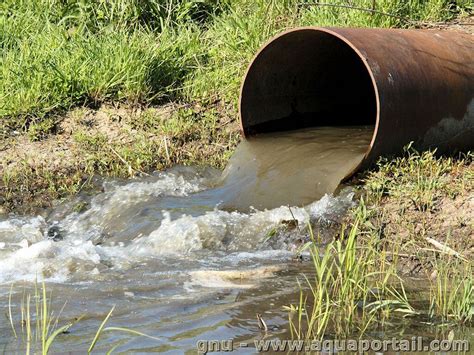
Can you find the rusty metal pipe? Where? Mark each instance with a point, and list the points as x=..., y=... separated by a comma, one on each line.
x=411, y=85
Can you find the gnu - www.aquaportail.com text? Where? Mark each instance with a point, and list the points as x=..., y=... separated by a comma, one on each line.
x=414, y=344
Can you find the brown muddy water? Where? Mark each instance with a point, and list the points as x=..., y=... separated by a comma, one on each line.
x=181, y=254
x=292, y=168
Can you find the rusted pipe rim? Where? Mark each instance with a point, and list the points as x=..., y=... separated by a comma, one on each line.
x=346, y=42
x=409, y=85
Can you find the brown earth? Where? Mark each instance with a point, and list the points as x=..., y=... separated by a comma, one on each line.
x=109, y=141
x=464, y=24
x=448, y=231
x=416, y=237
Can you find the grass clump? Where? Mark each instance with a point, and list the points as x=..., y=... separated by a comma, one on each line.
x=41, y=130
x=232, y=40
x=53, y=72
x=352, y=289
x=452, y=291
x=429, y=194
x=417, y=209
x=61, y=54
x=421, y=179
x=413, y=219
x=419, y=202
x=39, y=327
x=355, y=288
x=382, y=13
x=27, y=187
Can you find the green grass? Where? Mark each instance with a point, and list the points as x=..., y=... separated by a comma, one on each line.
x=419, y=180
x=452, y=291
x=38, y=327
x=353, y=288
x=402, y=218
x=59, y=54
x=54, y=71
x=410, y=209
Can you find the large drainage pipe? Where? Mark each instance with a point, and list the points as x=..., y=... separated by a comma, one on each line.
x=411, y=85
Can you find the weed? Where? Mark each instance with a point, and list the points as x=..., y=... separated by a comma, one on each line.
x=42, y=129
x=40, y=328
x=452, y=291
x=416, y=177
x=346, y=293
x=354, y=287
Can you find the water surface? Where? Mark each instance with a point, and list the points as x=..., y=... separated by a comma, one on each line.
x=182, y=254
x=292, y=168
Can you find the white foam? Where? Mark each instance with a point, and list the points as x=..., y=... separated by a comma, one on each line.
x=27, y=254
x=219, y=230
x=329, y=208
x=15, y=229
x=108, y=207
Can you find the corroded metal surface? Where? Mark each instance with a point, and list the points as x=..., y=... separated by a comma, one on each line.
x=412, y=85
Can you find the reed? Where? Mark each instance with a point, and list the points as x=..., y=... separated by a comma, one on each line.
x=350, y=288
x=452, y=292
x=39, y=326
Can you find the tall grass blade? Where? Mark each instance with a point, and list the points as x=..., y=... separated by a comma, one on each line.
x=45, y=316
x=10, y=318
x=129, y=331
x=99, y=331
x=53, y=336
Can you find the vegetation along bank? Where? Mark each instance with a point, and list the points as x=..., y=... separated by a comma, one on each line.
x=123, y=88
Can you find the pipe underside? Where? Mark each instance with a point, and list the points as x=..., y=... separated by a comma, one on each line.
x=411, y=85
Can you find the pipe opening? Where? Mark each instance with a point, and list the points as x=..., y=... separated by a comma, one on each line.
x=306, y=78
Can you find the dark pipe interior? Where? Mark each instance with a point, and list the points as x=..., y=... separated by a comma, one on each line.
x=306, y=78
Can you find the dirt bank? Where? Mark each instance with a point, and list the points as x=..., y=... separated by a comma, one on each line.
x=419, y=207
x=52, y=161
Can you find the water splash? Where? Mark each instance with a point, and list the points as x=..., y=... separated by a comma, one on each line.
x=180, y=217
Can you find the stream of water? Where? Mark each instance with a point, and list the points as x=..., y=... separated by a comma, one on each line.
x=187, y=254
